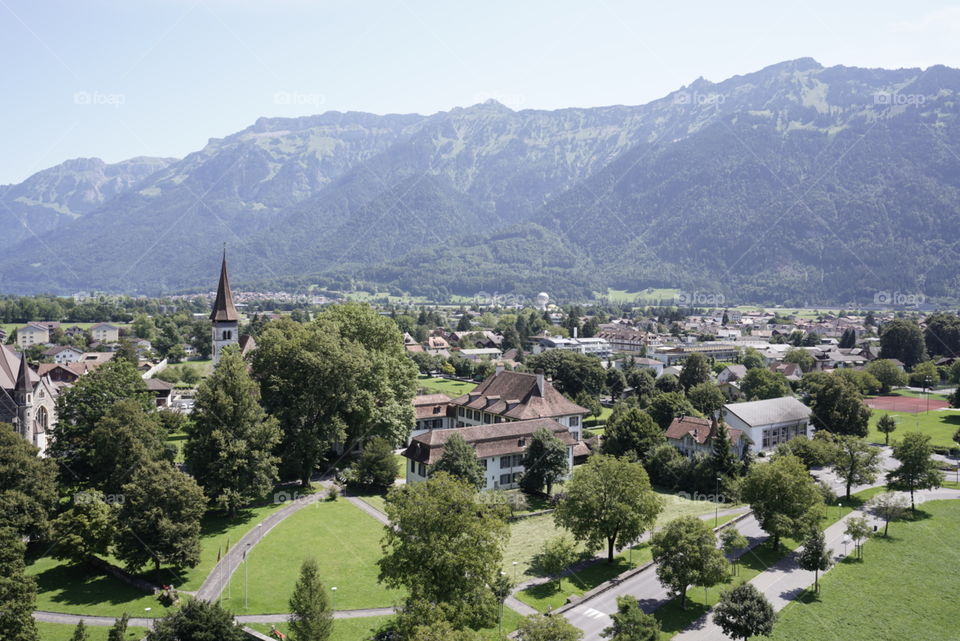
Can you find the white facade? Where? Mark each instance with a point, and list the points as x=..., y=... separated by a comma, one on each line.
x=68, y=355
x=771, y=422
x=467, y=417
x=224, y=333
x=501, y=472
x=30, y=335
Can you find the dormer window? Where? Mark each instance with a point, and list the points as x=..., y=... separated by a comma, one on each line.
x=521, y=442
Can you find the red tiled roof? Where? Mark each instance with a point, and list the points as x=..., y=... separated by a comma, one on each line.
x=516, y=395
x=700, y=429
x=431, y=405
x=495, y=439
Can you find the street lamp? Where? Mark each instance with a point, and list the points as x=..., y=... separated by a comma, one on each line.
x=514, y=571
x=334, y=590
x=716, y=504
x=846, y=540
x=246, y=596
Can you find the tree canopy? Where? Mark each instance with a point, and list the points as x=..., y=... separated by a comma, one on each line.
x=784, y=497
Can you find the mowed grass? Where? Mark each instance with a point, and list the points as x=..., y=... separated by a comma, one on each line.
x=905, y=588
x=64, y=632
x=529, y=535
x=450, y=387
x=939, y=424
x=363, y=628
x=342, y=538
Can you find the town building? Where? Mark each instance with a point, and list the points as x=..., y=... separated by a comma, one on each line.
x=432, y=413
x=499, y=447
x=105, y=333
x=27, y=400
x=769, y=422
x=64, y=354
x=32, y=334
x=224, y=316
x=692, y=436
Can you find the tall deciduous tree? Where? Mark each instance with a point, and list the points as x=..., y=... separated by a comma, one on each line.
x=855, y=461
x=545, y=461
x=784, y=497
x=814, y=556
x=557, y=555
x=732, y=542
x=160, y=518
x=686, y=554
x=630, y=623
x=744, y=612
x=706, y=398
x=887, y=425
x=902, y=339
x=607, y=500
x=445, y=548
x=342, y=377
x=540, y=627
x=377, y=467
x=311, y=617
x=917, y=471
x=199, y=620
x=888, y=506
x=18, y=590
x=81, y=406
x=572, y=373
x=888, y=373
x=230, y=442
x=124, y=439
x=28, y=485
x=630, y=429
x=86, y=529
x=460, y=461
x=858, y=529
x=696, y=370
x=838, y=407
x=118, y=632
x=760, y=384
x=667, y=406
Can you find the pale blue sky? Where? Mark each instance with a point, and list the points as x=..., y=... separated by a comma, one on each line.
x=121, y=78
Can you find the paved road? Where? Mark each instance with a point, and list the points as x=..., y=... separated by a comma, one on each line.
x=141, y=622
x=593, y=614
x=785, y=580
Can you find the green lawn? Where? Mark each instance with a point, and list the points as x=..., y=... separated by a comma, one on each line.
x=63, y=632
x=376, y=501
x=451, y=388
x=939, y=424
x=345, y=542
x=599, y=420
x=177, y=439
x=62, y=587
x=201, y=367
x=901, y=590
x=649, y=294
x=934, y=396
x=362, y=629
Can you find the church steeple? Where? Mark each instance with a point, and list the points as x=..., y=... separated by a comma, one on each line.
x=224, y=315
x=223, y=309
x=23, y=376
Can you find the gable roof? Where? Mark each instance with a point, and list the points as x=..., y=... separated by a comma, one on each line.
x=517, y=395
x=430, y=405
x=774, y=410
x=738, y=371
x=223, y=309
x=495, y=439
x=701, y=429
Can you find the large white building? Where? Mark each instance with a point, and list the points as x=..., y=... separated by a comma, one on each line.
x=499, y=447
x=770, y=422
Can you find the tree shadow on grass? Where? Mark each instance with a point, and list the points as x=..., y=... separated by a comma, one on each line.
x=80, y=585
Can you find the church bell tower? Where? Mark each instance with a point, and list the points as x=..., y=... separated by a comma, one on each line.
x=224, y=315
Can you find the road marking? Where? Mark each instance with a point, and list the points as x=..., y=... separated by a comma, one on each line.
x=593, y=614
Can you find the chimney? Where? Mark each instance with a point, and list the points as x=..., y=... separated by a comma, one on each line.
x=574, y=332
x=540, y=383
x=499, y=367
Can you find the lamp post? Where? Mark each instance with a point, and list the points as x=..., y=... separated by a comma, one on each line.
x=839, y=508
x=514, y=571
x=334, y=590
x=246, y=596
x=846, y=540
x=716, y=504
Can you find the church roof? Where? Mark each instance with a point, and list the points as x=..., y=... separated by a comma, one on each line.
x=223, y=309
x=24, y=384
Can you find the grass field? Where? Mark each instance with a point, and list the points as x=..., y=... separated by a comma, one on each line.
x=599, y=420
x=901, y=590
x=177, y=439
x=446, y=386
x=362, y=629
x=64, y=632
x=650, y=294
x=346, y=544
x=940, y=425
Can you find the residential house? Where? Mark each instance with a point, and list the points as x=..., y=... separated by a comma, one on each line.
x=482, y=354
x=32, y=334
x=731, y=373
x=105, y=333
x=499, y=447
x=515, y=396
x=64, y=354
x=691, y=436
x=162, y=391
x=791, y=371
x=769, y=422
x=432, y=413
x=438, y=346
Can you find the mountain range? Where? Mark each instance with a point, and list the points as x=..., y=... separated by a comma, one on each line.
x=794, y=184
